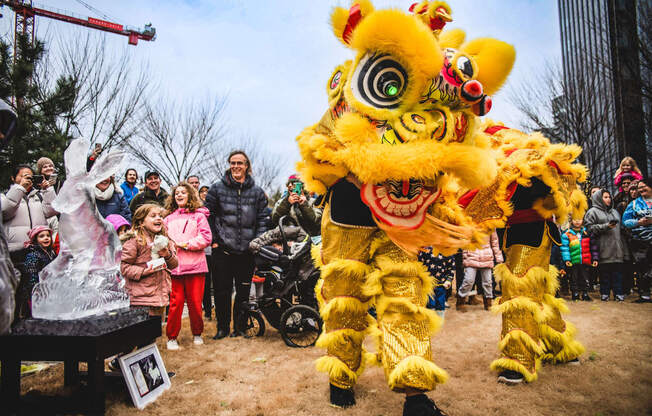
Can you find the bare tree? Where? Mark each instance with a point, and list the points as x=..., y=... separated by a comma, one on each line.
x=567, y=110
x=179, y=138
x=110, y=88
x=266, y=166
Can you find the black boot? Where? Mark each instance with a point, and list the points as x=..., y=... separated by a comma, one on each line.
x=421, y=405
x=342, y=397
x=586, y=297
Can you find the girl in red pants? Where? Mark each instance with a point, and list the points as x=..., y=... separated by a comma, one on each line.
x=188, y=227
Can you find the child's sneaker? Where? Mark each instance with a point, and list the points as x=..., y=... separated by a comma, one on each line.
x=173, y=345
x=604, y=298
x=197, y=340
x=620, y=298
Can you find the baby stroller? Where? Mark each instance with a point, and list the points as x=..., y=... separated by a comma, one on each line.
x=288, y=303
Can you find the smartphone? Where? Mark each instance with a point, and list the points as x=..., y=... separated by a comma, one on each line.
x=298, y=187
x=613, y=222
x=98, y=147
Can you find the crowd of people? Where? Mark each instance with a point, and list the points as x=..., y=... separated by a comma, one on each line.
x=211, y=233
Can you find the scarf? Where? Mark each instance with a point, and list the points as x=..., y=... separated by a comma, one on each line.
x=105, y=194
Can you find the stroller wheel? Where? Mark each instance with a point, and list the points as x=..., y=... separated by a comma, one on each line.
x=252, y=324
x=300, y=326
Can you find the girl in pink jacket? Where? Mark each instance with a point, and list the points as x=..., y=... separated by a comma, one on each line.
x=479, y=261
x=188, y=227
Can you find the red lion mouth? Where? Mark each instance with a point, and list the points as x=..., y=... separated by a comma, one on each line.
x=400, y=204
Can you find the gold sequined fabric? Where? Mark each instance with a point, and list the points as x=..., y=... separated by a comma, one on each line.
x=403, y=287
x=339, y=242
x=520, y=258
x=483, y=206
x=403, y=338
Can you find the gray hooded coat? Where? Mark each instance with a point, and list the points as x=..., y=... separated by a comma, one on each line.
x=596, y=220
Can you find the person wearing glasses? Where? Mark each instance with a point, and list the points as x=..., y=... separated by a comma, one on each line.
x=237, y=216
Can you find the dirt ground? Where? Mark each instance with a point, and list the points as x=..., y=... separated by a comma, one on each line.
x=263, y=376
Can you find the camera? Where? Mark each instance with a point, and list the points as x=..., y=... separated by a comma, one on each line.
x=37, y=179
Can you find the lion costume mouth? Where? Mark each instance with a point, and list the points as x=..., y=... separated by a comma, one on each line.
x=402, y=204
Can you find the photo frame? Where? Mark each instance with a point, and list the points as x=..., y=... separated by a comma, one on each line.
x=145, y=375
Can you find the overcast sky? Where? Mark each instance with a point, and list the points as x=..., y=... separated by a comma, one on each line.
x=273, y=58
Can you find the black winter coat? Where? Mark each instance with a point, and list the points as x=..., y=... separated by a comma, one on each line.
x=237, y=213
x=114, y=205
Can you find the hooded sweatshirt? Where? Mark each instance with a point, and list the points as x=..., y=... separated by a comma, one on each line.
x=596, y=220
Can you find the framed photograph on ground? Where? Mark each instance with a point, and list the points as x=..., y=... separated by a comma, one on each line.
x=145, y=375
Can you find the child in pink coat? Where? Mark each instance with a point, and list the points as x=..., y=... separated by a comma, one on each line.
x=188, y=227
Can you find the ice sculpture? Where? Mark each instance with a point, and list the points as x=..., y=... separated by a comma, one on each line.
x=85, y=278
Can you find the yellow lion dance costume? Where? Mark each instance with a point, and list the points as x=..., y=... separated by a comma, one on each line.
x=404, y=162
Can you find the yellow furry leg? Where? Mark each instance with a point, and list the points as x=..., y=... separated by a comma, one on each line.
x=558, y=335
x=343, y=306
x=522, y=310
x=401, y=285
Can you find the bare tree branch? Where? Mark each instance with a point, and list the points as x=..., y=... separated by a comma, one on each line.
x=178, y=139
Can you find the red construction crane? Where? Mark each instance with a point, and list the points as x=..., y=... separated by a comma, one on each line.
x=26, y=11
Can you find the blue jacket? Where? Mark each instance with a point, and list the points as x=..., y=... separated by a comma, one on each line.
x=636, y=210
x=114, y=205
x=129, y=193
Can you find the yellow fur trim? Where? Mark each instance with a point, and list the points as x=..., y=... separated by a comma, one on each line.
x=374, y=285
x=391, y=308
x=520, y=303
x=371, y=162
x=578, y=204
x=413, y=367
x=343, y=305
x=320, y=298
x=531, y=281
x=352, y=268
x=571, y=348
x=520, y=336
x=495, y=60
x=511, y=364
x=452, y=38
x=556, y=303
x=552, y=282
x=336, y=369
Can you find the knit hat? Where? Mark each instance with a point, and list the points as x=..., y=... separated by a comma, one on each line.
x=41, y=162
x=117, y=221
x=293, y=178
x=34, y=232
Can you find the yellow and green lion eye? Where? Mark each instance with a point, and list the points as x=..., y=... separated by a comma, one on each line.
x=379, y=81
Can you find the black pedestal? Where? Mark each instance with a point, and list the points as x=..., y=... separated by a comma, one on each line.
x=89, y=340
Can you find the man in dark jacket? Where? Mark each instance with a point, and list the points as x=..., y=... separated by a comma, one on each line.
x=153, y=193
x=237, y=216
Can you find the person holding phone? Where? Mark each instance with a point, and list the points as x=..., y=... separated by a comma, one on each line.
x=23, y=208
x=603, y=222
x=295, y=203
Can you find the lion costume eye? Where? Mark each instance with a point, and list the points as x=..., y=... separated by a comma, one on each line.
x=379, y=81
x=464, y=67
